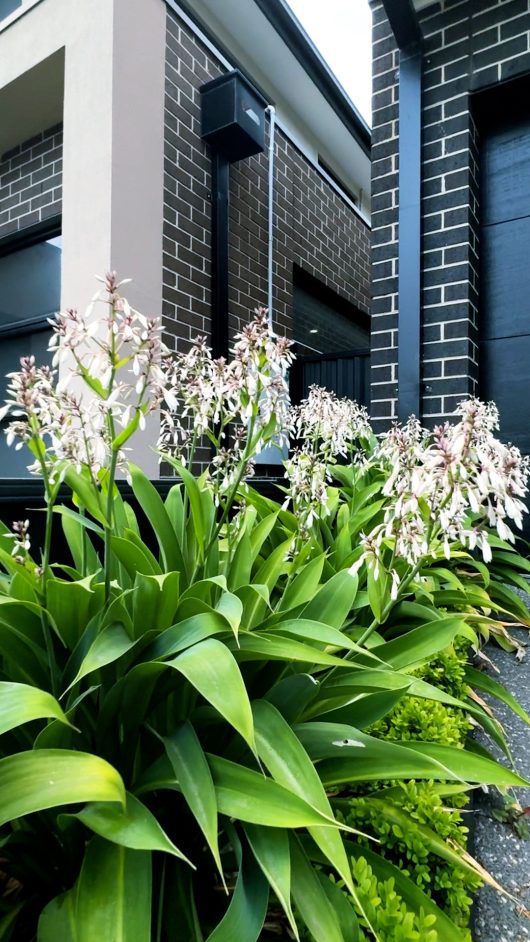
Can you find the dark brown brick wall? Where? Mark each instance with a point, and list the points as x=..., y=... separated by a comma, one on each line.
x=31, y=182
x=468, y=47
x=314, y=227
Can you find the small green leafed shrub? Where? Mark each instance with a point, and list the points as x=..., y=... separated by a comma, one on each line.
x=414, y=719
x=388, y=912
x=383, y=906
x=428, y=721
x=393, y=818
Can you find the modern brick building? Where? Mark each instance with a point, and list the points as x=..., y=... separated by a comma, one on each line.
x=451, y=209
x=103, y=166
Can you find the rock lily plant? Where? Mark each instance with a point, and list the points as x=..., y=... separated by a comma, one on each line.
x=183, y=700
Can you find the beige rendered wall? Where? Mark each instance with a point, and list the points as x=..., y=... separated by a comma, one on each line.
x=137, y=174
x=113, y=141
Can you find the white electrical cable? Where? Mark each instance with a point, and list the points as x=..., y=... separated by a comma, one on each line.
x=270, y=197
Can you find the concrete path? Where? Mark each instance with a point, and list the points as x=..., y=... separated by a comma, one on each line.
x=497, y=918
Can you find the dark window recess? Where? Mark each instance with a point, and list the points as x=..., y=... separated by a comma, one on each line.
x=332, y=341
x=338, y=182
x=30, y=289
x=323, y=321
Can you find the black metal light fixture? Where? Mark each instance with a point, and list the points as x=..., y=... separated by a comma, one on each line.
x=233, y=124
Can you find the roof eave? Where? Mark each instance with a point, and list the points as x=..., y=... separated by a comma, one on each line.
x=404, y=21
x=281, y=17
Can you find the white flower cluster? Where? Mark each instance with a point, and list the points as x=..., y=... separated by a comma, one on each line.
x=116, y=370
x=442, y=487
x=228, y=464
x=308, y=487
x=121, y=362
x=209, y=395
x=259, y=369
x=334, y=425
x=21, y=540
x=447, y=486
x=329, y=428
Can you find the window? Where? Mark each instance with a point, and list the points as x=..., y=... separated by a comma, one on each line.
x=30, y=289
x=337, y=181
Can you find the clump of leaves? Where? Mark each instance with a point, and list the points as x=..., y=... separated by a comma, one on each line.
x=180, y=718
x=410, y=820
x=428, y=721
x=510, y=811
x=413, y=719
x=416, y=829
x=393, y=921
x=448, y=669
x=383, y=904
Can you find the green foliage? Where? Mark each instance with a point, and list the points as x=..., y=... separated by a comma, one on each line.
x=386, y=910
x=381, y=907
x=192, y=695
x=408, y=818
x=403, y=843
x=415, y=719
x=509, y=811
x=448, y=669
x=179, y=708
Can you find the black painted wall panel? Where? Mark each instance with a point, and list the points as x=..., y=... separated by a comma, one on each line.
x=505, y=275
x=505, y=284
x=505, y=366
x=505, y=161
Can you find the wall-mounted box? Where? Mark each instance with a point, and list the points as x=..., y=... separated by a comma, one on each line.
x=233, y=116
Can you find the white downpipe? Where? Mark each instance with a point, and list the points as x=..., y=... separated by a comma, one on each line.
x=270, y=199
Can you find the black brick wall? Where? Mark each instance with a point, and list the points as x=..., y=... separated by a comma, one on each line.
x=315, y=227
x=31, y=182
x=468, y=46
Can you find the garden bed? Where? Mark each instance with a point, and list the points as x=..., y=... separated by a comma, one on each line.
x=254, y=721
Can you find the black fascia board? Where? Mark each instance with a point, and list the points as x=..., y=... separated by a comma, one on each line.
x=220, y=46
x=296, y=39
x=404, y=22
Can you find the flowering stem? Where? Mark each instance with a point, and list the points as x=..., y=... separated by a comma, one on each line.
x=83, y=545
x=114, y=452
x=390, y=605
x=49, y=500
x=47, y=543
x=44, y=622
x=185, y=499
x=251, y=444
x=401, y=591
x=108, y=526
